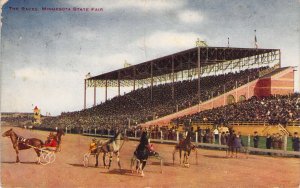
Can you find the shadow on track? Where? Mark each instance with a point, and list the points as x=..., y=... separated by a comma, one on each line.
x=13, y=162
x=215, y=156
x=82, y=166
x=120, y=172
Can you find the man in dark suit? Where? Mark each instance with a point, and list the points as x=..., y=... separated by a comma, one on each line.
x=255, y=139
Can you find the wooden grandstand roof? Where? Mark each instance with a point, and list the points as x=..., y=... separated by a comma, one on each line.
x=180, y=61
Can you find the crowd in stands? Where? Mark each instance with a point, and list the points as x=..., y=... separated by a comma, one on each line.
x=137, y=107
x=273, y=109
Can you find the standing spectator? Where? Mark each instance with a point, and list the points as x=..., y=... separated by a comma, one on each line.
x=238, y=143
x=216, y=134
x=223, y=139
x=255, y=139
x=295, y=141
x=268, y=141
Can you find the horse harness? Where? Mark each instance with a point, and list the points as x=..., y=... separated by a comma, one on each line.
x=21, y=139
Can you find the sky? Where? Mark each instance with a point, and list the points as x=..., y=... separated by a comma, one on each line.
x=46, y=54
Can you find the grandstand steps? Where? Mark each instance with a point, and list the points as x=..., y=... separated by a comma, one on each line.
x=279, y=81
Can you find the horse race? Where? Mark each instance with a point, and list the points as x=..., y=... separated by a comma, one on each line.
x=154, y=93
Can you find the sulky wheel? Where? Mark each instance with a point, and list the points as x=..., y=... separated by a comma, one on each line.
x=44, y=158
x=51, y=157
x=86, y=159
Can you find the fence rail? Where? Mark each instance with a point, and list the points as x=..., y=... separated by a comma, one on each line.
x=248, y=149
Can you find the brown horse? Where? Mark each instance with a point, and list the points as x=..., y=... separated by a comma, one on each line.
x=20, y=143
x=57, y=137
x=187, y=146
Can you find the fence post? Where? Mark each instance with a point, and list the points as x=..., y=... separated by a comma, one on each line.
x=125, y=132
x=177, y=136
x=285, y=144
x=66, y=130
x=197, y=138
x=220, y=139
x=161, y=136
x=83, y=130
x=135, y=134
x=249, y=139
x=95, y=131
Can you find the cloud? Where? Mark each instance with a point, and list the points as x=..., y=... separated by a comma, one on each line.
x=189, y=16
x=34, y=74
x=162, y=40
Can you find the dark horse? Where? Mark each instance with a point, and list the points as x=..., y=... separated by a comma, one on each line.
x=112, y=146
x=20, y=143
x=187, y=146
x=141, y=153
x=57, y=137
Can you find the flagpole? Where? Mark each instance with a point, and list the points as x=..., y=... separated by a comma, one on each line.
x=255, y=39
x=228, y=42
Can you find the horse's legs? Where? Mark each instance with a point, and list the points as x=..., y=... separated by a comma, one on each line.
x=38, y=152
x=180, y=156
x=196, y=155
x=137, y=167
x=17, y=153
x=118, y=159
x=104, y=155
x=97, y=156
x=110, y=159
x=174, y=155
x=132, y=163
x=142, y=165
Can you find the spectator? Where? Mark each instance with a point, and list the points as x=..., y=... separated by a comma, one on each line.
x=268, y=141
x=255, y=139
x=296, y=142
x=216, y=134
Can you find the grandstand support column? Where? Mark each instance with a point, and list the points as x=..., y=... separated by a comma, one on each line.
x=173, y=77
x=105, y=90
x=199, y=96
x=134, y=74
x=94, y=95
x=236, y=95
x=84, y=100
x=119, y=83
x=279, y=59
x=151, y=80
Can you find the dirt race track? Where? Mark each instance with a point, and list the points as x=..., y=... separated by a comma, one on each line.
x=213, y=170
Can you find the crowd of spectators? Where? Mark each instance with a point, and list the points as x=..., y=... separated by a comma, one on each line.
x=137, y=107
x=273, y=109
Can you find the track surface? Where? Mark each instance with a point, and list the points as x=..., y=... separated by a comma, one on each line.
x=213, y=170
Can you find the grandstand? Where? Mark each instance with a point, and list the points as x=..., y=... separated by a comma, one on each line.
x=180, y=85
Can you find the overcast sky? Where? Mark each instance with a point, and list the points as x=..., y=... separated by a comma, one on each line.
x=46, y=54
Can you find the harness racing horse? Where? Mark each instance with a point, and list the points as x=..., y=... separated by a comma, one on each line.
x=111, y=147
x=141, y=154
x=57, y=137
x=20, y=143
x=187, y=146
